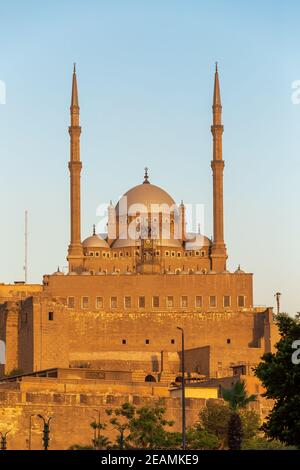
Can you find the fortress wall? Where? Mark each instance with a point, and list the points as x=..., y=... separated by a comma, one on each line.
x=95, y=339
x=73, y=413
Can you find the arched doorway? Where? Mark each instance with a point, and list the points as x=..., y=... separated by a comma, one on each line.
x=150, y=378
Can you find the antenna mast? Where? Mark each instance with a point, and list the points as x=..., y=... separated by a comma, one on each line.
x=26, y=247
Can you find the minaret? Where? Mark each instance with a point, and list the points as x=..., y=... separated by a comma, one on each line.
x=182, y=221
x=218, y=251
x=75, y=252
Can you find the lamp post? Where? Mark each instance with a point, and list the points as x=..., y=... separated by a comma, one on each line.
x=182, y=388
x=46, y=431
x=3, y=440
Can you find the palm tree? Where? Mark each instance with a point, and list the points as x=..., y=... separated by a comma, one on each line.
x=237, y=398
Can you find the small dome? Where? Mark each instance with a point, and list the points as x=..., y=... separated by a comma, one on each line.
x=95, y=241
x=196, y=241
x=58, y=273
x=239, y=270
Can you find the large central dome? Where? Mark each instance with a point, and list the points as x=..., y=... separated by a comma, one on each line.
x=146, y=195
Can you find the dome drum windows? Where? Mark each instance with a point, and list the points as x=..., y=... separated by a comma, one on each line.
x=212, y=301
x=85, y=302
x=71, y=302
x=241, y=301
x=184, y=301
x=113, y=302
x=99, y=303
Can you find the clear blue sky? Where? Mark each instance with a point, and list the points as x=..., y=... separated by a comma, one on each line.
x=145, y=72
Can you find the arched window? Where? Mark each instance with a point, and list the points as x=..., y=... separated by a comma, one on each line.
x=150, y=378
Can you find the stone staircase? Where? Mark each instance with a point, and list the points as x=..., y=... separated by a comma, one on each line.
x=164, y=378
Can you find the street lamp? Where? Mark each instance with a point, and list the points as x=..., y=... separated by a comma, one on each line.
x=182, y=388
x=46, y=431
x=3, y=440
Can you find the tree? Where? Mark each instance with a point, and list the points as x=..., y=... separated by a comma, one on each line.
x=214, y=420
x=237, y=398
x=99, y=442
x=281, y=379
x=147, y=429
x=261, y=443
x=199, y=439
x=250, y=423
x=235, y=432
x=120, y=422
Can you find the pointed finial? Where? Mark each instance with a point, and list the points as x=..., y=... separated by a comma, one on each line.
x=58, y=270
x=181, y=203
x=199, y=229
x=94, y=229
x=217, y=94
x=146, y=177
x=239, y=267
x=74, y=99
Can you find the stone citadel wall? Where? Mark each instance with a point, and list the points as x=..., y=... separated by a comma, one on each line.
x=72, y=414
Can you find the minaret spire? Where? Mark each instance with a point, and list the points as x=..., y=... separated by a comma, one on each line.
x=74, y=98
x=218, y=252
x=217, y=94
x=75, y=252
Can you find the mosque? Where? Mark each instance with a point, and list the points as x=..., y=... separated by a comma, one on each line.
x=117, y=310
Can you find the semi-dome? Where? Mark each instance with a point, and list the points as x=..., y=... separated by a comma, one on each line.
x=95, y=241
x=143, y=198
x=196, y=241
